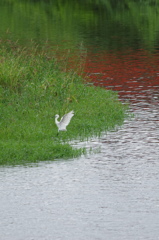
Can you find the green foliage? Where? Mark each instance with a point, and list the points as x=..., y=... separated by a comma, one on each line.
x=33, y=89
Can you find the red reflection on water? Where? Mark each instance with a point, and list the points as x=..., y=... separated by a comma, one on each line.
x=134, y=73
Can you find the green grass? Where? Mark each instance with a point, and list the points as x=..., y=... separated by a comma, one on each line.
x=33, y=88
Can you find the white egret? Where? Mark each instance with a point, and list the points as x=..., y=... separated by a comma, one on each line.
x=65, y=120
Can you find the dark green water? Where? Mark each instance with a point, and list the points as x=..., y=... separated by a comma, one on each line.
x=98, y=24
x=113, y=194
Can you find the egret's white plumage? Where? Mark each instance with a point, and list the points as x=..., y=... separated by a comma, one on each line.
x=65, y=120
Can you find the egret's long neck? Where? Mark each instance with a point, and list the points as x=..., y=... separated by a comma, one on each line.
x=56, y=121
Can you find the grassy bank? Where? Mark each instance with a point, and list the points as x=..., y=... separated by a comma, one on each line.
x=33, y=88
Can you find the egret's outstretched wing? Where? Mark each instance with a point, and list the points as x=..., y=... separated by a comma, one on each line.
x=65, y=120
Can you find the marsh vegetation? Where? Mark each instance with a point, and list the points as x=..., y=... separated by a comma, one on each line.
x=35, y=86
